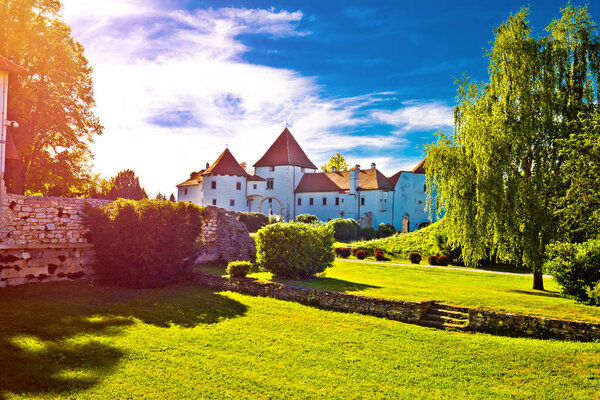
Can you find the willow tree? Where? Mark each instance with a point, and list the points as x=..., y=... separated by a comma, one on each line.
x=497, y=175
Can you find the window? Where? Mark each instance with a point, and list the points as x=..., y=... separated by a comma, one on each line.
x=272, y=168
x=299, y=201
x=425, y=187
x=214, y=202
x=324, y=201
x=270, y=182
x=362, y=201
x=311, y=201
x=213, y=185
x=337, y=201
x=254, y=186
x=231, y=203
x=185, y=192
x=238, y=186
x=270, y=201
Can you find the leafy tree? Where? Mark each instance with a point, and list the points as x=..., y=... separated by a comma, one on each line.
x=172, y=197
x=338, y=161
x=579, y=209
x=161, y=196
x=53, y=103
x=127, y=186
x=498, y=174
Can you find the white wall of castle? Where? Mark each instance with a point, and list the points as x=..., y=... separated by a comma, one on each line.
x=3, y=101
x=410, y=200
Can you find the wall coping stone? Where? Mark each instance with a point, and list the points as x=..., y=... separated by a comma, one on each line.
x=31, y=246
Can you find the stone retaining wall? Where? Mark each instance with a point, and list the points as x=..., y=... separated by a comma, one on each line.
x=43, y=239
x=480, y=320
x=391, y=309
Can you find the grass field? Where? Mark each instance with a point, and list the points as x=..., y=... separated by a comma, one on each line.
x=501, y=292
x=72, y=340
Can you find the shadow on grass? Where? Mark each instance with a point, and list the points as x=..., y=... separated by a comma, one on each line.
x=326, y=283
x=52, y=335
x=536, y=293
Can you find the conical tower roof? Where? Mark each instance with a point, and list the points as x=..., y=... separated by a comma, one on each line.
x=285, y=151
x=226, y=164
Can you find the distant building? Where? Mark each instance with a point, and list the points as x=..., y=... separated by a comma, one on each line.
x=285, y=182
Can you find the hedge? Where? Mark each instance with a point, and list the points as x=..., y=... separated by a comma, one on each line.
x=345, y=230
x=146, y=243
x=253, y=220
x=295, y=250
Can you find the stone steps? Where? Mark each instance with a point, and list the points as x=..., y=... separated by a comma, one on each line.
x=445, y=317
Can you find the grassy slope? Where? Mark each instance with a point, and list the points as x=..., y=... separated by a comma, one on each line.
x=422, y=241
x=62, y=340
x=501, y=292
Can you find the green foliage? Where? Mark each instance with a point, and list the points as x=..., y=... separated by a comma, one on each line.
x=385, y=230
x=126, y=185
x=368, y=233
x=594, y=294
x=414, y=258
x=53, y=102
x=579, y=209
x=307, y=219
x=423, y=241
x=498, y=175
x=295, y=250
x=239, y=269
x=160, y=196
x=336, y=161
x=144, y=243
x=172, y=197
x=345, y=230
x=343, y=252
x=576, y=267
x=273, y=219
x=253, y=221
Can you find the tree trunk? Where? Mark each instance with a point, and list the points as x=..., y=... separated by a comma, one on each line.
x=538, y=281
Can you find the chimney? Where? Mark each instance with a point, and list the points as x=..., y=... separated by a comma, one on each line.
x=373, y=165
x=207, y=165
x=192, y=174
x=354, y=173
x=243, y=165
x=333, y=169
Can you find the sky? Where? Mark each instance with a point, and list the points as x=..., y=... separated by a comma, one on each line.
x=178, y=81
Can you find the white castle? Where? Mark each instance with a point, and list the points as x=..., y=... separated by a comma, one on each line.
x=285, y=182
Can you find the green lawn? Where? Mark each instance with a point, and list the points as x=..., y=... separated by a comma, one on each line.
x=72, y=340
x=501, y=292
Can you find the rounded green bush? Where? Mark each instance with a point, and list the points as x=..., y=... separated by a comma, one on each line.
x=145, y=243
x=239, y=269
x=368, y=233
x=253, y=220
x=385, y=230
x=345, y=230
x=307, y=219
x=295, y=250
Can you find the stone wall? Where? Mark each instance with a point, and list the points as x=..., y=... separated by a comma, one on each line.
x=530, y=326
x=43, y=239
x=225, y=238
x=480, y=320
x=391, y=309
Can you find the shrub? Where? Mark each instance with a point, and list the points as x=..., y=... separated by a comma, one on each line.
x=576, y=267
x=432, y=260
x=443, y=260
x=291, y=250
x=385, y=230
x=146, y=243
x=239, y=269
x=414, y=258
x=379, y=256
x=368, y=233
x=343, y=252
x=361, y=248
x=345, y=230
x=253, y=221
x=307, y=218
x=594, y=294
x=361, y=254
x=273, y=219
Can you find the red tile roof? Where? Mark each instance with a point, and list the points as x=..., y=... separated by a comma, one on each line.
x=285, y=151
x=195, y=179
x=420, y=168
x=394, y=178
x=368, y=179
x=7, y=65
x=253, y=177
x=226, y=164
x=11, y=149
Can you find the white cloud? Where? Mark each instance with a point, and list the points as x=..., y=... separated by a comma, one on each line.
x=172, y=90
x=416, y=116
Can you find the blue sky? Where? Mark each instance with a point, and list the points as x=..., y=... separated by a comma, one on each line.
x=177, y=81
